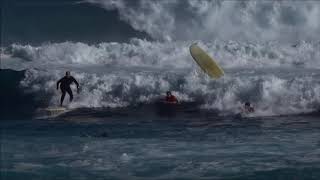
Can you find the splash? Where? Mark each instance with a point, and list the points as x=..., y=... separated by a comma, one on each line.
x=276, y=78
x=208, y=20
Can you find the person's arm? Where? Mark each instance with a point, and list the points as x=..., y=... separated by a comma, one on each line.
x=58, y=83
x=76, y=82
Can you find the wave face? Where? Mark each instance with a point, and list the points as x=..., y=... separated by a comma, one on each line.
x=276, y=78
x=208, y=20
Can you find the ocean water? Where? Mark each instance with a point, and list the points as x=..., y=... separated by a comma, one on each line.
x=122, y=145
x=126, y=55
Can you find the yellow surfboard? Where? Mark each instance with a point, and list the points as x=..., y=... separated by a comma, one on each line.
x=207, y=64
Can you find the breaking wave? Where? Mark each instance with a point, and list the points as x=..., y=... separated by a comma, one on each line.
x=277, y=79
x=207, y=20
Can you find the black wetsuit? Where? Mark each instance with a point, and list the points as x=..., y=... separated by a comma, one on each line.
x=65, y=83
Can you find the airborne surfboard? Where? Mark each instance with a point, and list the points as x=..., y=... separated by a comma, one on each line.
x=206, y=63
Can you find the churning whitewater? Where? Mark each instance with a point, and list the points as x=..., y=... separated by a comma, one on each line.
x=279, y=79
x=257, y=21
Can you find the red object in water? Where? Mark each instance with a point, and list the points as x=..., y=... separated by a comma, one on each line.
x=171, y=99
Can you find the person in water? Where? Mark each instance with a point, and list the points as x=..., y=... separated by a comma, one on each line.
x=248, y=108
x=171, y=98
x=65, y=83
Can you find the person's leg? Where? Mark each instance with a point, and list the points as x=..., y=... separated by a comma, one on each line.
x=62, y=96
x=69, y=91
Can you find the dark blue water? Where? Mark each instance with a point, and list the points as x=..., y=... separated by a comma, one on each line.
x=121, y=146
x=44, y=21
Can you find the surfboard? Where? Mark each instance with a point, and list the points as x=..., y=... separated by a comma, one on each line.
x=55, y=109
x=50, y=112
x=206, y=63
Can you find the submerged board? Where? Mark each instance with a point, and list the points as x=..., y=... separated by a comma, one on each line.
x=55, y=109
x=207, y=64
x=50, y=112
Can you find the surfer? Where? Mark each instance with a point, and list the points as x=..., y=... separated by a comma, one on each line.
x=248, y=108
x=65, y=83
x=171, y=98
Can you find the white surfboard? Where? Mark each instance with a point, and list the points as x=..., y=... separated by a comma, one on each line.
x=50, y=112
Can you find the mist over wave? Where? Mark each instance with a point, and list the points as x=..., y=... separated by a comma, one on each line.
x=208, y=20
x=277, y=79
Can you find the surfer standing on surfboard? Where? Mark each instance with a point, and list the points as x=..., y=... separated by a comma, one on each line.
x=65, y=83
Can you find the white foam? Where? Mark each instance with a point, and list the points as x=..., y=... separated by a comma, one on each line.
x=208, y=20
x=276, y=78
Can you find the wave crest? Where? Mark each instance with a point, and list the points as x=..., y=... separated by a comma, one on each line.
x=208, y=20
x=277, y=79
